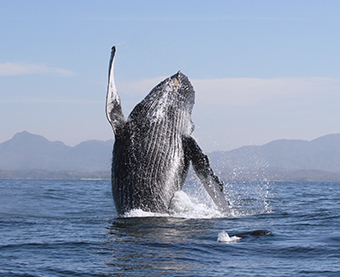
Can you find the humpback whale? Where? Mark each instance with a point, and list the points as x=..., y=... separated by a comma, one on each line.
x=153, y=147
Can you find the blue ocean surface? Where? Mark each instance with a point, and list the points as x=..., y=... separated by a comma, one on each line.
x=70, y=228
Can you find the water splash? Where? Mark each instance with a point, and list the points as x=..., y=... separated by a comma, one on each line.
x=182, y=206
x=249, y=197
x=246, y=198
x=224, y=237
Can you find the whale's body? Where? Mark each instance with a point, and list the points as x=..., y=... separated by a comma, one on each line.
x=153, y=148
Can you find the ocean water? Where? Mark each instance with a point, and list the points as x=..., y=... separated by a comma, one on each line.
x=70, y=228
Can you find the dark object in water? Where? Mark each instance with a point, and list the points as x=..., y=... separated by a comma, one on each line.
x=258, y=233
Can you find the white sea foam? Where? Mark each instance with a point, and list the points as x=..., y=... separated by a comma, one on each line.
x=224, y=237
x=194, y=202
x=141, y=213
x=182, y=206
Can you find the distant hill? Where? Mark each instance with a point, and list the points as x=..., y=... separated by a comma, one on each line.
x=318, y=159
x=33, y=156
x=26, y=151
x=322, y=153
x=59, y=175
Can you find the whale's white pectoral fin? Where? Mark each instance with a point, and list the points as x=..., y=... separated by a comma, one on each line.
x=211, y=182
x=114, y=111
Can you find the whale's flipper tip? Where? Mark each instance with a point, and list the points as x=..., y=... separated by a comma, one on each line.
x=114, y=111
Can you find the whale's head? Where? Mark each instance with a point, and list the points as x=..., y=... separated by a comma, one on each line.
x=173, y=91
x=179, y=89
x=172, y=100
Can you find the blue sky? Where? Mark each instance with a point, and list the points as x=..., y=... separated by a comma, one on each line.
x=262, y=70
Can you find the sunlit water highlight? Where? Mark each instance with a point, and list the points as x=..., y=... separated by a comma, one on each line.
x=69, y=228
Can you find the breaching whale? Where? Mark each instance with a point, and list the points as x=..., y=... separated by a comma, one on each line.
x=153, y=148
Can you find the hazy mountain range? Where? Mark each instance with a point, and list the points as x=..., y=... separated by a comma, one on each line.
x=316, y=160
x=32, y=156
